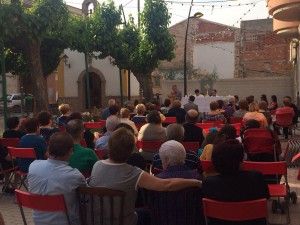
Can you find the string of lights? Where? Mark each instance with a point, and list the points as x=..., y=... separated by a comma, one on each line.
x=200, y=4
x=233, y=25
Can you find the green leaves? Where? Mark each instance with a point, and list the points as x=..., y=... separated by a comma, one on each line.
x=156, y=43
x=44, y=22
x=96, y=33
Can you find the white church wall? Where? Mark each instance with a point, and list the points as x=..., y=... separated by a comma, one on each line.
x=218, y=55
x=109, y=71
x=71, y=74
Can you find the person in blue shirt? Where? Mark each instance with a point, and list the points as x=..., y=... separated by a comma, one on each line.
x=53, y=177
x=32, y=140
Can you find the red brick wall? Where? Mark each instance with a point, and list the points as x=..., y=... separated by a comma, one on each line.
x=261, y=52
x=208, y=31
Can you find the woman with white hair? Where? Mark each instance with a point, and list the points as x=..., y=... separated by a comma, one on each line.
x=175, y=132
x=172, y=155
x=111, y=124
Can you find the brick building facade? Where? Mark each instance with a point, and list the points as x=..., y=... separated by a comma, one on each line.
x=260, y=52
x=245, y=56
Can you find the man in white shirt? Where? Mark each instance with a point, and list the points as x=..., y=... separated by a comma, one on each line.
x=53, y=177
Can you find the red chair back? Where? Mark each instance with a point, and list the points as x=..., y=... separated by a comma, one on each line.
x=259, y=140
x=95, y=125
x=191, y=145
x=235, y=211
x=46, y=203
x=150, y=146
x=170, y=120
x=100, y=153
x=284, y=119
x=10, y=142
x=207, y=166
x=83, y=143
x=205, y=125
x=266, y=168
x=216, y=123
x=296, y=157
x=233, y=120
x=139, y=125
x=25, y=153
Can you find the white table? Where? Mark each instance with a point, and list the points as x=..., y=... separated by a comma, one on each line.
x=204, y=101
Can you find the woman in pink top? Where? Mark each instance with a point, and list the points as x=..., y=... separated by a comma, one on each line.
x=254, y=114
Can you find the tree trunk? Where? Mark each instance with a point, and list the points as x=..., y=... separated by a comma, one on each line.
x=146, y=84
x=39, y=81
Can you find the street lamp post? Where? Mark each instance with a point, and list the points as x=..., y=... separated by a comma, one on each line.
x=3, y=75
x=196, y=15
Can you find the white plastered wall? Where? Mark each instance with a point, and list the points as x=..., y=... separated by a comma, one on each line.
x=109, y=71
x=217, y=55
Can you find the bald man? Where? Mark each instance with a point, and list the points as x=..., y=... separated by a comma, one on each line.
x=191, y=131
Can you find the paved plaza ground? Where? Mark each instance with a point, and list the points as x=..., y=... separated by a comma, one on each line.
x=12, y=215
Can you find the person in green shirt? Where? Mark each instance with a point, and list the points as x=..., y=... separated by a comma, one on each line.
x=82, y=158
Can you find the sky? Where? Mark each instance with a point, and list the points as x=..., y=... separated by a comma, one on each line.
x=229, y=12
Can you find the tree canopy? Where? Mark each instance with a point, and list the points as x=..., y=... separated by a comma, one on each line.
x=34, y=40
x=35, y=36
x=141, y=49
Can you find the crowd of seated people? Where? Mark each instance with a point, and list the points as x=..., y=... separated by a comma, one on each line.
x=124, y=165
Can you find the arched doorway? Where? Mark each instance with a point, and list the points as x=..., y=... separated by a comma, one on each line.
x=96, y=89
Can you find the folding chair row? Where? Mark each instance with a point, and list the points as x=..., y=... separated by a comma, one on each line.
x=266, y=168
x=229, y=211
x=94, y=125
x=87, y=196
x=8, y=142
x=21, y=153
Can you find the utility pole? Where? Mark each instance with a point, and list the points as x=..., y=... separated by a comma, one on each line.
x=139, y=25
x=121, y=86
x=3, y=75
x=3, y=81
x=139, y=10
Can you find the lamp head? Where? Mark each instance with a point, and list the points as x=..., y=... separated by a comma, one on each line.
x=198, y=15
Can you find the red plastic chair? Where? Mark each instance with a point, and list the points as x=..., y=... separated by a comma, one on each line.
x=83, y=143
x=216, y=123
x=139, y=125
x=45, y=203
x=207, y=166
x=235, y=211
x=205, y=125
x=95, y=125
x=233, y=120
x=151, y=146
x=100, y=153
x=259, y=140
x=192, y=146
x=284, y=120
x=23, y=153
x=10, y=142
x=169, y=120
x=297, y=157
x=272, y=168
